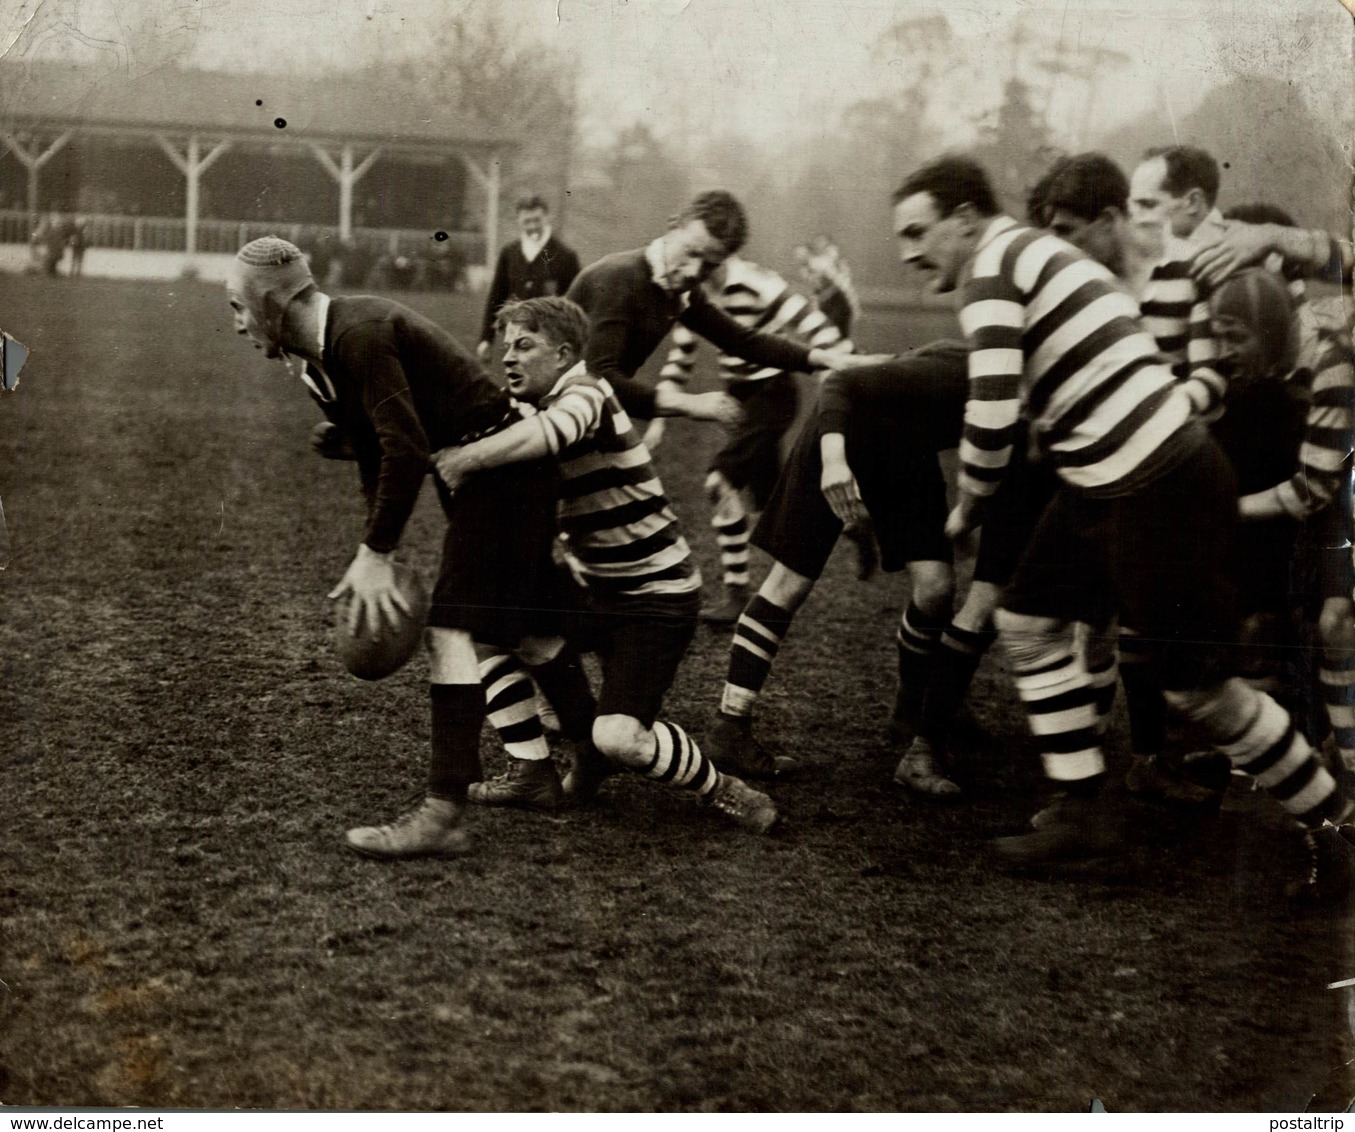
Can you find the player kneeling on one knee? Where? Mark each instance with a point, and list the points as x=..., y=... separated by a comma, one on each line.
x=640, y=587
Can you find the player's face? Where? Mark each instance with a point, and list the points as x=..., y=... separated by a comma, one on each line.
x=1239, y=350
x=532, y=222
x=935, y=245
x=690, y=255
x=1151, y=207
x=248, y=324
x=532, y=363
x=1095, y=238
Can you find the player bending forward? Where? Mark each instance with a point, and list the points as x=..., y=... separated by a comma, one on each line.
x=623, y=543
x=1139, y=525
x=397, y=385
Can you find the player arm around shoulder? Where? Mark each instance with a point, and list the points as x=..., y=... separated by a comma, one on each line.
x=521, y=441
x=543, y=344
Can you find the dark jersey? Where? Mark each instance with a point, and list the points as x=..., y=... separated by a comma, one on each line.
x=400, y=387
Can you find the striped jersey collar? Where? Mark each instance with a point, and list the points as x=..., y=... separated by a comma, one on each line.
x=996, y=226
x=578, y=369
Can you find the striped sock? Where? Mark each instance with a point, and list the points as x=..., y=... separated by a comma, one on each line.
x=1061, y=706
x=678, y=760
x=510, y=706
x=915, y=640
x=1268, y=747
x=732, y=537
x=757, y=637
x=1337, y=677
x=1103, y=670
x=954, y=663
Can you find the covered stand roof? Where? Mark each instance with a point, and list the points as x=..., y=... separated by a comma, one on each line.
x=363, y=107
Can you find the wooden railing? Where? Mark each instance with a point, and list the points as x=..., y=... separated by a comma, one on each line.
x=166, y=234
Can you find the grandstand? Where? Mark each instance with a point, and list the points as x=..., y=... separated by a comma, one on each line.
x=191, y=164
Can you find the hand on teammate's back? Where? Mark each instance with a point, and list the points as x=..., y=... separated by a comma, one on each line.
x=1240, y=245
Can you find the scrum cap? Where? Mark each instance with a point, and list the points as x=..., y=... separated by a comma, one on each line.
x=268, y=273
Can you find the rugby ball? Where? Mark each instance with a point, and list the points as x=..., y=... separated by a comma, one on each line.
x=375, y=654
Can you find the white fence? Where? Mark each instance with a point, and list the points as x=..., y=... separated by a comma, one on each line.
x=166, y=234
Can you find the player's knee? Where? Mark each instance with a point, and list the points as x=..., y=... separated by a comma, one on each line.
x=1336, y=628
x=451, y=655
x=1028, y=639
x=1214, y=706
x=1258, y=645
x=784, y=588
x=539, y=650
x=933, y=586
x=621, y=737
x=980, y=605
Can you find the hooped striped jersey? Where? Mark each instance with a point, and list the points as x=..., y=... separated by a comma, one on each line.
x=758, y=298
x=1175, y=311
x=617, y=526
x=1054, y=338
x=1325, y=373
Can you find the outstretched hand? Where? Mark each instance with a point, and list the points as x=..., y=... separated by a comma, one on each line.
x=837, y=360
x=376, y=600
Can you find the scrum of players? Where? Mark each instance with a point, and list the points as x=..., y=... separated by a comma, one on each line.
x=1154, y=424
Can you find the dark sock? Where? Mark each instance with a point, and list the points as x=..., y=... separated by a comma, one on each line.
x=564, y=683
x=915, y=641
x=952, y=669
x=1083, y=787
x=1147, y=707
x=458, y=715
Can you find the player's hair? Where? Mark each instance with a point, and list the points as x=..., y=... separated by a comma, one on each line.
x=952, y=180
x=1086, y=185
x=1259, y=299
x=722, y=215
x=1188, y=167
x=562, y=321
x=1260, y=212
x=530, y=202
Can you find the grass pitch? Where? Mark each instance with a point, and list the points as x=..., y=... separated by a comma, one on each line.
x=180, y=753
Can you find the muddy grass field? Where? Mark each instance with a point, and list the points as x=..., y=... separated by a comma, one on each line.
x=180, y=753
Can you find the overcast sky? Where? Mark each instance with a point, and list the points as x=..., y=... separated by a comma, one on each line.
x=774, y=69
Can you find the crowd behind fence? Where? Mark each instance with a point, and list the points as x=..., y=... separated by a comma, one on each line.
x=169, y=234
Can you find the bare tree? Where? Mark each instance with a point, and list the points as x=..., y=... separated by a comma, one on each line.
x=505, y=81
